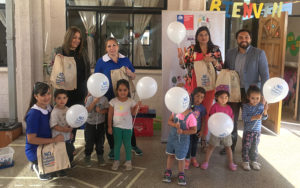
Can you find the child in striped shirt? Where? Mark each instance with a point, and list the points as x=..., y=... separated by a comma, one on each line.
x=253, y=113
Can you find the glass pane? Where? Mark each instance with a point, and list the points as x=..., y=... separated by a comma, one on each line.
x=149, y=3
x=3, y=51
x=118, y=26
x=147, y=42
x=119, y=3
x=145, y=38
x=83, y=2
x=74, y=19
x=86, y=21
x=2, y=1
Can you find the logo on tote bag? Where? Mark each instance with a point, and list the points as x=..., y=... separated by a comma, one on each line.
x=60, y=78
x=48, y=159
x=205, y=80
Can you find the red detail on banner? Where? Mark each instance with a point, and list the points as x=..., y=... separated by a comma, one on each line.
x=189, y=22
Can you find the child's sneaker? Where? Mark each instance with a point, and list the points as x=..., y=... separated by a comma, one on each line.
x=115, y=165
x=204, y=165
x=246, y=166
x=87, y=161
x=101, y=161
x=255, y=165
x=167, y=176
x=232, y=166
x=42, y=177
x=181, y=179
x=187, y=164
x=137, y=150
x=194, y=162
x=111, y=155
x=128, y=165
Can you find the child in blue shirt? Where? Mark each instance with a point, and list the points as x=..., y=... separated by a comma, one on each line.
x=199, y=112
x=38, y=129
x=253, y=113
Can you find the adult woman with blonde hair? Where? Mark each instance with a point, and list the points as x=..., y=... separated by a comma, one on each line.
x=73, y=47
x=113, y=60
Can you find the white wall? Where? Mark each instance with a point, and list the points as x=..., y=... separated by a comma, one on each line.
x=157, y=101
x=33, y=20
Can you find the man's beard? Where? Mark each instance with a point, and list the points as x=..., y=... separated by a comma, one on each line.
x=244, y=46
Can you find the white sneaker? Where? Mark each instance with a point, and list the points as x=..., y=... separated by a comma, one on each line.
x=246, y=166
x=255, y=165
x=42, y=177
x=128, y=165
x=115, y=165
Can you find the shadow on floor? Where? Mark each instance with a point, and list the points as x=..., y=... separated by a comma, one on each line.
x=148, y=172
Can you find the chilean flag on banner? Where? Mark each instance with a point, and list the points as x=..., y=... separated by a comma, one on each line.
x=187, y=20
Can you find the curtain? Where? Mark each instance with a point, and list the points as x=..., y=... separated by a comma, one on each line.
x=140, y=23
x=89, y=22
x=3, y=17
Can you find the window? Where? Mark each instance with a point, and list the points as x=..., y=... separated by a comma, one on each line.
x=3, y=51
x=120, y=3
x=145, y=38
x=137, y=29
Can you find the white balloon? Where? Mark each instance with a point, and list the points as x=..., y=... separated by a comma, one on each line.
x=76, y=115
x=220, y=124
x=275, y=89
x=177, y=100
x=146, y=87
x=97, y=84
x=176, y=32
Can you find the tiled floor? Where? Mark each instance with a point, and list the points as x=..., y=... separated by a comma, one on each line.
x=279, y=156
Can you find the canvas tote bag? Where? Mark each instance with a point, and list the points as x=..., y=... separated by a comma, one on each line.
x=205, y=75
x=232, y=79
x=119, y=74
x=52, y=157
x=64, y=73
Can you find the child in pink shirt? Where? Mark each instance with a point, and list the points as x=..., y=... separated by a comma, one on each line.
x=182, y=125
x=221, y=105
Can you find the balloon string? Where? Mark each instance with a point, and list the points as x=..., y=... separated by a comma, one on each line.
x=178, y=135
x=97, y=116
x=255, y=124
x=136, y=114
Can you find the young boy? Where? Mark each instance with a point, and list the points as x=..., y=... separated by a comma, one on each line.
x=59, y=124
x=94, y=129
